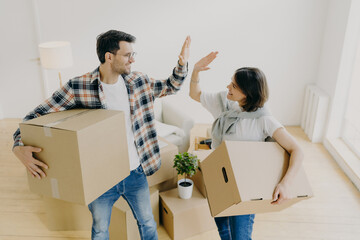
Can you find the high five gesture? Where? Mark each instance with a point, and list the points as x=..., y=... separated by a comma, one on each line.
x=185, y=52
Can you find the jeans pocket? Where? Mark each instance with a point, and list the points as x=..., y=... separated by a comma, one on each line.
x=139, y=170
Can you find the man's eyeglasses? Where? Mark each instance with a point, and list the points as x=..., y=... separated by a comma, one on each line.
x=129, y=55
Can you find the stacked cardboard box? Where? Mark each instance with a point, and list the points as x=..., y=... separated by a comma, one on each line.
x=166, y=176
x=185, y=218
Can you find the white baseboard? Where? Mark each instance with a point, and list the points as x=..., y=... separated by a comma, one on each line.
x=345, y=158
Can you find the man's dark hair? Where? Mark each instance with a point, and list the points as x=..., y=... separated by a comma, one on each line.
x=109, y=42
x=252, y=82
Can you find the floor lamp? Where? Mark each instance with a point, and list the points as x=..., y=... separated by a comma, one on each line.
x=56, y=55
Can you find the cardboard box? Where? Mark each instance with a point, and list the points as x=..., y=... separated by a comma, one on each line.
x=240, y=178
x=123, y=224
x=200, y=130
x=184, y=218
x=167, y=185
x=86, y=151
x=199, y=146
x=166, y=171
x=65, y=216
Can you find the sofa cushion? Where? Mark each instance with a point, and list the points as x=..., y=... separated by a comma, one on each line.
x=164, y=130
x=176, y=140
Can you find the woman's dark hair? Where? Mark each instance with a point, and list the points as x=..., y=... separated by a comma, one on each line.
x=252, y=82
x=109, y=42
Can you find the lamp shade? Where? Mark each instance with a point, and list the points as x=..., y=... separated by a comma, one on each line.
x=55, y=55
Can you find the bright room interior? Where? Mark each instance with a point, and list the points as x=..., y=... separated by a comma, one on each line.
x=296, y=43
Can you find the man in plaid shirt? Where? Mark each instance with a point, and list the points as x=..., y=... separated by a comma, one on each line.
x=113, y=86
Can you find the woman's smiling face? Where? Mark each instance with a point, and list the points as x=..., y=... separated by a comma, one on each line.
x=235, y=93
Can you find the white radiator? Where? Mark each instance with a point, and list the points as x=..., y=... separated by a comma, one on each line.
x=314, y=113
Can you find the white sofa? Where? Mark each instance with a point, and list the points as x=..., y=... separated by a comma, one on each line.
x=172, y=123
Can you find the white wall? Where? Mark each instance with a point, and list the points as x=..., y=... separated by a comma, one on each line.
x=281, y=37
x=20, y=81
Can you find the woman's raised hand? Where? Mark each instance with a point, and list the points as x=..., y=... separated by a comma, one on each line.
x=202, y=64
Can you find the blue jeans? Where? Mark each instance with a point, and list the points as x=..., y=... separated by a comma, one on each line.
x=135, y=190
x=235, y=227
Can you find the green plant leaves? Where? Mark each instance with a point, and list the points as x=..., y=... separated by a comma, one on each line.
x=186, y=163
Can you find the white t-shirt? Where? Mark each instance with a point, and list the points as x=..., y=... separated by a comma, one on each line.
x=246, y=129
x=117, y=99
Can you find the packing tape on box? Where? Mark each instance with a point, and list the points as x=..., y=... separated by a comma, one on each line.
x=47, y=127
x=55, y=188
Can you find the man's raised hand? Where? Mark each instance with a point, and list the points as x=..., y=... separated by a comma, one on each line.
x=185, y=52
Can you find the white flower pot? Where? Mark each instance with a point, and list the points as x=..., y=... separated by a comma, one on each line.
x=185, y=192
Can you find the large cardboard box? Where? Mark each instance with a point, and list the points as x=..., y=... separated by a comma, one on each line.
x=65, y=216
x=240, y=178
x=86, y=151
x=185, y=218
x=166, y=171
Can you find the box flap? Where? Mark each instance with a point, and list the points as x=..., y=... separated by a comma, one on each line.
x=53, y=117
x=219, y=179
x=73, y=120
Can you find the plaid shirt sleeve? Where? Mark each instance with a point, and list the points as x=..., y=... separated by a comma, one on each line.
x=170, y=85
x=62, y=99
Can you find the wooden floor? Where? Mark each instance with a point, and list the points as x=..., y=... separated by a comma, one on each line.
x=334, y=212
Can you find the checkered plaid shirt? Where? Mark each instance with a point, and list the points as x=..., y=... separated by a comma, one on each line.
x=87, y=92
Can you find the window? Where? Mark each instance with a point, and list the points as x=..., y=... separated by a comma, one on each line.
x=351, y=123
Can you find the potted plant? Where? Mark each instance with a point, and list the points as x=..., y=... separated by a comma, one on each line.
x=186, y=164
